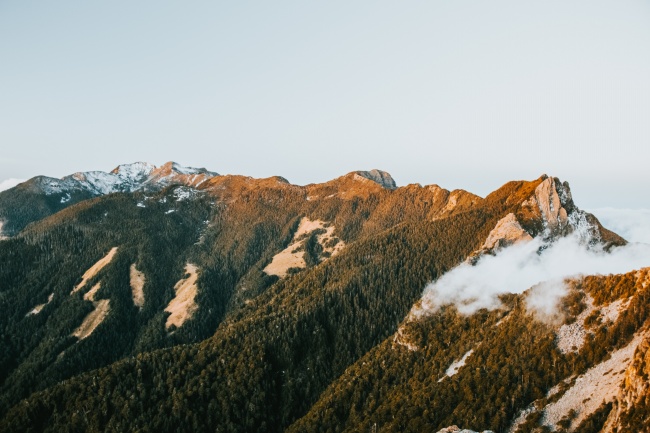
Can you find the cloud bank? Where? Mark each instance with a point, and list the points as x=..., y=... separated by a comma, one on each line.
x=9, y=183
x=522, y=266
x=632, y=224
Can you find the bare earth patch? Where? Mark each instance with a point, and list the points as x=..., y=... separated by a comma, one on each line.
x=599, y=383
x=37, y=309
x=611, y=312
x=287, y=258
x=93, y=319
x=137, y=284
x=183, y=306
x=570, y=338
x=95, y=268
x=90, y=296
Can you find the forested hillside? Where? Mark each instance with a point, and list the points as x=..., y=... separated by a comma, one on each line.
x=239, y=304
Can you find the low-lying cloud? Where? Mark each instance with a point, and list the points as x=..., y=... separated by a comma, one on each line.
x=9, y=183
x=524, y=265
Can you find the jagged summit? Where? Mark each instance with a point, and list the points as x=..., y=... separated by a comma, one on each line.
x=128, y=178
x=133, y=171
x=378, y=176
x=171, y=168
x=543, y=208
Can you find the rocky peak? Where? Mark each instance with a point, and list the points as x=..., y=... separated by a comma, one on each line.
x=172, y=168
x=548, y=202
x=378, y=176
x=135, y=171
x=551, y=213
x=542, y=209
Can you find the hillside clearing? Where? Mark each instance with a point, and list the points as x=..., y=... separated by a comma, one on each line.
x=293, y=255
x=183, y=306
x=92, y=320
x=94, y=269
x=137, y=280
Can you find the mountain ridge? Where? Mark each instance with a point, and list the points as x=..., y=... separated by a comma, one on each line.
x=263, y=347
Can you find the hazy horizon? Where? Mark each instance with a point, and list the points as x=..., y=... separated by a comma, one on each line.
x=466, y=95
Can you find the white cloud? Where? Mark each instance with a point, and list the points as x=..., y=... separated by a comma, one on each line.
x=9, y=183
x=522, y=266
x=632, y=224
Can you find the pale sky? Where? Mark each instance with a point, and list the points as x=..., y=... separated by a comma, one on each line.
x=465, y=94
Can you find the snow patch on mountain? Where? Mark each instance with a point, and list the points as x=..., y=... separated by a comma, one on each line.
x=188, y=170
x=184, y=193
x=37, y=309
x=124, y=178
x=137, y=171
x=455, y=366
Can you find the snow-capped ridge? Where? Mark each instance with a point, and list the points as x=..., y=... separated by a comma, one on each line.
x=127, y=178
x=135, y=171
x=173, y=168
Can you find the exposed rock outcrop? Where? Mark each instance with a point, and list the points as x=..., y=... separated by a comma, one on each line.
x=551, y=213
x=508, y=231
x=456, y=429
x=378, y=176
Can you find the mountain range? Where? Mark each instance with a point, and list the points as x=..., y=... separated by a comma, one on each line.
x=177, y=299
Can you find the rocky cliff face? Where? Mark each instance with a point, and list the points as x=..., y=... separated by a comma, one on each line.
x=549, y=213
x=508, y=231
x=378, y=176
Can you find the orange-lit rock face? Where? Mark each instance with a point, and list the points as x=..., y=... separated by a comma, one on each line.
x=508, y=231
